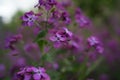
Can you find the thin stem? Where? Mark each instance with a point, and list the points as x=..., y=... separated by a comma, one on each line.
x=37, y=24
x=47, y=16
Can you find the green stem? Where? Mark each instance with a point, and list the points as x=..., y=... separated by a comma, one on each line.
x=95, y=64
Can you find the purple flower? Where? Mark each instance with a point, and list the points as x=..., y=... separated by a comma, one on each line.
x=75, y=43
x=65, y=38
x=25, y=73
x=100, y=49
x=29, y=18
x=65, y=17
x=33, y=73
x=55, y=16
x=94, y=42
x=48, y=4
x=55, y=66
x=36, y=30
x=31, y=47
x=61, y=37
x=40, y=74
x=92, y=56
x=32, y=50
x=12, y=40
x=81, y=19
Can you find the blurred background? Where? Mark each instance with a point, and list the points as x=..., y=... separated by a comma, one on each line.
x=105, y=15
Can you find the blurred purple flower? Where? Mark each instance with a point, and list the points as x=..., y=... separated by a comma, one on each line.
x=92, y=56
x=14, y=52
x=100, y=49
x=55, y=16
x=81, y=19
x=94, y=42
x=12, y=40
x=30, y=47
x=65, y=17
x=36, y=30
x=17, y=63
x=32, y=50
x=55, y=66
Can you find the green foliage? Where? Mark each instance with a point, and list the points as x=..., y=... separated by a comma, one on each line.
x=96, y=7
x=39, y=39
x=41, y=35
x=41, y=44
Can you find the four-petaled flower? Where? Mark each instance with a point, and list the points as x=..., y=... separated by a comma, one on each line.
x=29, y=18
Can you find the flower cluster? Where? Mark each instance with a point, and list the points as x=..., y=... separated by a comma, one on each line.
x=61, y=37
x=54, y=25
x=81, y=19
x=33, y=73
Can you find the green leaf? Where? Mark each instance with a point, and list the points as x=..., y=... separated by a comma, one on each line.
x=41, y=44
x=53, y=9
x=40, y=35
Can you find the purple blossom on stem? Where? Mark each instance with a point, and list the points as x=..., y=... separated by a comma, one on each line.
x=94, y=42
x=29, y=18
x=100, y=49
x=75, y=43
x=81, y=19
x=65, y=38
x=55, y=66
x=61, y=37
